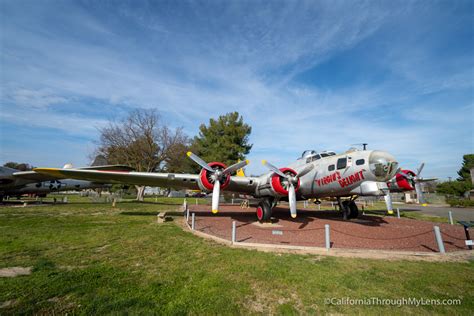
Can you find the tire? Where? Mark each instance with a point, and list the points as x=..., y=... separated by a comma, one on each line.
x=264, y=211
x=345, y=210
x=353, y=210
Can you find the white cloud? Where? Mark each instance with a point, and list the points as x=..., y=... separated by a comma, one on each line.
x=220, y=59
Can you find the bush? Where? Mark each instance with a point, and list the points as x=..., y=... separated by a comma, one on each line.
x=460, y=202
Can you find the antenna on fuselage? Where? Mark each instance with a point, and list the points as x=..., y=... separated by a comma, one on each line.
x=364, y=145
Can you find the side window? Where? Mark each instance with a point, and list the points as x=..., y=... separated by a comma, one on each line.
x=308, y=160
x=331, y=167
x=360, y=162
x=341, y=163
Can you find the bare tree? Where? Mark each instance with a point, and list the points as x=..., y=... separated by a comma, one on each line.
x=141, y=141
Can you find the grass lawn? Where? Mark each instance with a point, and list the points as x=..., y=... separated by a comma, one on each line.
x=92, y=258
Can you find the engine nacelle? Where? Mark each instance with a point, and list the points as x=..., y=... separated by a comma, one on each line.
x=277, y=182
x=401, y=183
x=206, y=182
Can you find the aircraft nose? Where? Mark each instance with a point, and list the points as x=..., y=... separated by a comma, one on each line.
x=382, y=165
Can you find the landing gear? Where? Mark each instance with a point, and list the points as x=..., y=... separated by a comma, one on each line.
x=345, y=209
x=264, y=210
x=353, y=210
x=349, y=209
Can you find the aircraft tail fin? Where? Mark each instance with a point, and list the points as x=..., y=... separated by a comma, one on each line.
x=240, y=172
x=4, y=171
x=99, y=160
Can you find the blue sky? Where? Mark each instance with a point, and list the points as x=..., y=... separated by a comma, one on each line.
x=305, y=75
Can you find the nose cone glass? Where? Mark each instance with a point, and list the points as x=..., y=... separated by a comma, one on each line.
x=382, y=165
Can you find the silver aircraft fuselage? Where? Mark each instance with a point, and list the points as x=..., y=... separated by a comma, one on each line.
x=352, y=173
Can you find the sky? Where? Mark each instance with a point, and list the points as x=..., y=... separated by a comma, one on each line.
x=323, y=75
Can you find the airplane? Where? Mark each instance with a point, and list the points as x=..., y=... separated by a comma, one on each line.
x=16, y=183
x=41, y=189
x=314, y=175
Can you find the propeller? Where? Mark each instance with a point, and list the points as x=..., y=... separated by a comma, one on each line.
x=416, y=181
x=218, y=176
x=291, y=181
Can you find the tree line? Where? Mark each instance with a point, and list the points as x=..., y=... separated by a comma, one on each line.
x=145, y=142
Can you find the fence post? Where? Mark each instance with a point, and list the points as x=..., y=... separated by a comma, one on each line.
x=328, y=240
x=398, y=212
x=187, y=216
x=192, y=221
x=450, y=214
x=233, y=231
x=439, y=239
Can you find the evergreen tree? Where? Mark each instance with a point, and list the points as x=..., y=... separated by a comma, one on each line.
x=467, y=164
x=224, y=140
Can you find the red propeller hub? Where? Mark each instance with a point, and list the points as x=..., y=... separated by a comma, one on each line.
x=277, y=181
x=206, y=176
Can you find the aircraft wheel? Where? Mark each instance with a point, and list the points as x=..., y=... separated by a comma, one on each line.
x=264, y=211
x=353, y=210
x=345, y=210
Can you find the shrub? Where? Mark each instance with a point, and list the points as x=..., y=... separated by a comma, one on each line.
x=460, y=202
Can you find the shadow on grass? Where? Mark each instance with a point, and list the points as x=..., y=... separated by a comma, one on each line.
x=151, y=213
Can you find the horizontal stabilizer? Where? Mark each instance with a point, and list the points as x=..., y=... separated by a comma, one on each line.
x=426, y=180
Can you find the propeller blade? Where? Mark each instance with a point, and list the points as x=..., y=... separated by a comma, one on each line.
x=426, y=180
x=419, y=193
x=199, y=161
x=420, y=168
x=216, y=191
x=274, y=169
x=388, y=202
x=235, y=167
x=305, y=171
x=292, y=200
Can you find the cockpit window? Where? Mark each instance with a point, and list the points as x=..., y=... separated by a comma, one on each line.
x=313, y=158
x=308, y=153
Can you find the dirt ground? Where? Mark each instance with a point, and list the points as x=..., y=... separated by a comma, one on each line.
x=365, y=232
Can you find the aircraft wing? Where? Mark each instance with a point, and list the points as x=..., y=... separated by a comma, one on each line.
x=33, y=176
x=39, y=177
x=175, y=180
